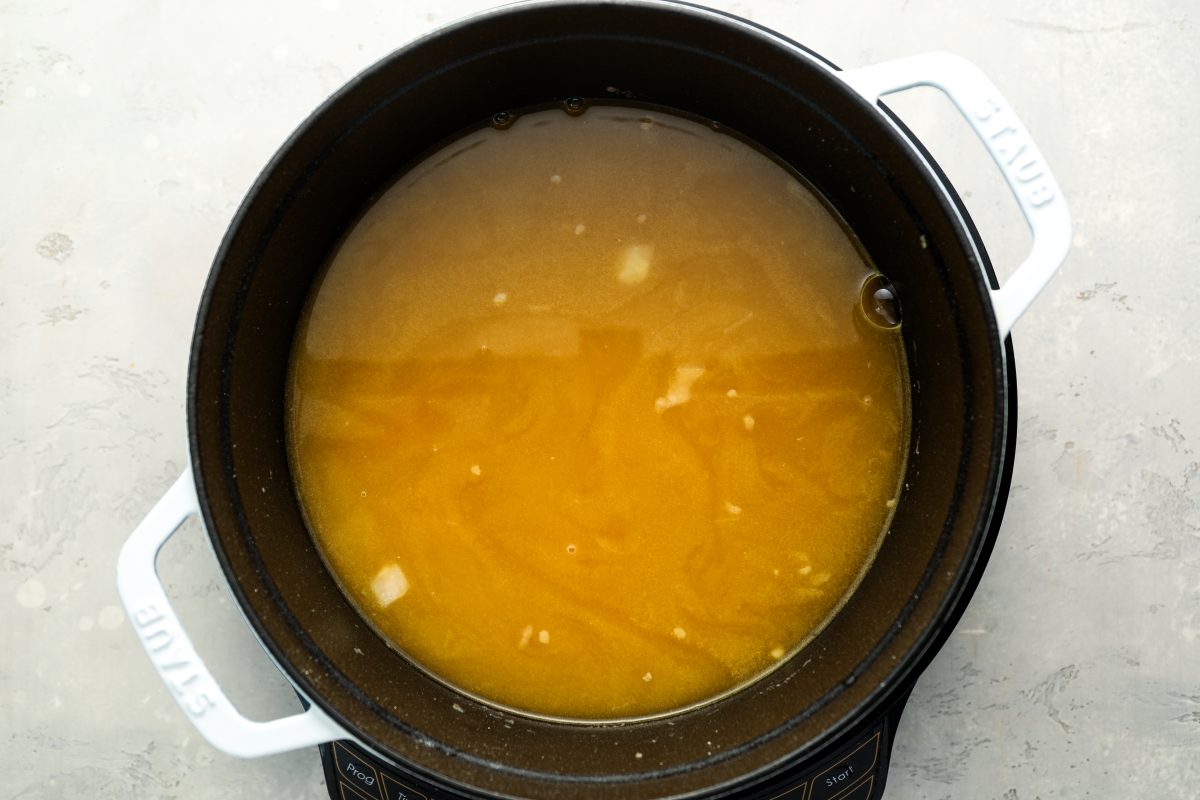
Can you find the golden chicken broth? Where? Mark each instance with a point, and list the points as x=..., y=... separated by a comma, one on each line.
x=586, y=418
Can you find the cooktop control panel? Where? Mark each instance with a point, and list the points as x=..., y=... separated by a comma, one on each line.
x=856, y=772
x=352, y=775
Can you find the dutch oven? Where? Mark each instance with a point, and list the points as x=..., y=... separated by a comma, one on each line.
x=828, y=125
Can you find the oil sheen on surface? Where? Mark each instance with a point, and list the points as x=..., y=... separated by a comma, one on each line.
x=587, y=420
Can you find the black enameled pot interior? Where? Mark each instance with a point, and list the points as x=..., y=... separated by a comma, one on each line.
x=707, y=64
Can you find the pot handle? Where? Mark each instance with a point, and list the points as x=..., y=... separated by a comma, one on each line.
x=1010, y=146
x=176, y=660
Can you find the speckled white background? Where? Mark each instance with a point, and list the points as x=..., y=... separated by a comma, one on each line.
x=129, y=132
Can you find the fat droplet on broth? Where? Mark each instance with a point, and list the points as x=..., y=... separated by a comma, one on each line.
x=389, y=585
x=634, y=264
x=679, y=388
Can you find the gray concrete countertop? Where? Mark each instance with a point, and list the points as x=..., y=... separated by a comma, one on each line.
x=129, y=132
